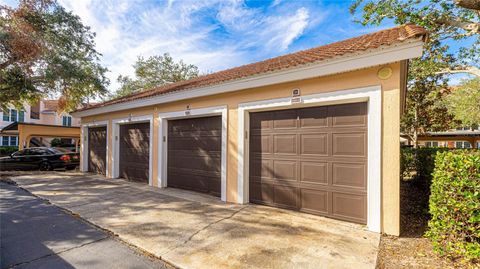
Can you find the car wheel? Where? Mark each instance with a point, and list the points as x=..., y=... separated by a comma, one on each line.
x=45, y=166
x=70, y=168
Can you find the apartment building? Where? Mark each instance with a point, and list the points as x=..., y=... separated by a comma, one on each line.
x=463, y=137
x=46, y=112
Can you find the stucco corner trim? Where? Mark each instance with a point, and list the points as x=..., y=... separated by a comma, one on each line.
x=116, y=143
x=163, y=140
x=372, y=95
x=84, y=145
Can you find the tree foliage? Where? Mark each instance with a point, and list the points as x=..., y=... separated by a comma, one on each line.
x=153, y=72
x=447, y=22
x=46, y=51
x=464, y=102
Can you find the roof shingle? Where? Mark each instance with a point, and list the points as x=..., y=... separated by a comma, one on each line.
x=361, y=43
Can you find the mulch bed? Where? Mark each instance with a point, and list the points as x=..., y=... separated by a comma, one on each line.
x=411, y=249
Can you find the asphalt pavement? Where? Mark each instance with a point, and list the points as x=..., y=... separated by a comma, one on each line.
x=36, y=234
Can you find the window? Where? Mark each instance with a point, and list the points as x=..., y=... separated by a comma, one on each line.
x=13, y=140
x=67, y=121
x=35, y=111
x=463, y=145
x=6, y=115
x=431, y=144
x=21, y=116
x=14, y=115
x=5, y=140
x=38, y=151
x=9, y=141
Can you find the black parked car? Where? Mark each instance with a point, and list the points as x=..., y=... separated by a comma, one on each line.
x=40, y=158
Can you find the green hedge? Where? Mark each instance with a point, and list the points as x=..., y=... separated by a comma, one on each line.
x=418, y=163
x=7, y=150
x=454, y=227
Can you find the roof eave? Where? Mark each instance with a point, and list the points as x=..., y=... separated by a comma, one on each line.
x=407, y=49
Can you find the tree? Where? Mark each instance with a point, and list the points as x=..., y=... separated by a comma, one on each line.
x=46, y=51
x=447, y=22
x=464, y=102
x=153, y=72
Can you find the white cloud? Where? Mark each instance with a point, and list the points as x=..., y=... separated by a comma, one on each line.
x=212, y=34
x=283, y=31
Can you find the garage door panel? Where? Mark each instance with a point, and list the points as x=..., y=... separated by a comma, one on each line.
x=135, y=151
x=286, y=119
x=316, y=117
x=285, y=169
x=314, y=172
x=261, y=192
x=316, y=201
x=315, y=144
x=189, y=160
x=349, y=144
x=285, y=144
x=312, y=160
x=261, y=144
x=261, y=121
x=194, y=154
x=348, y=115
x=285, y=196
x=349, y=206
x=261, y=168
x=350, y=175
x=200, y=143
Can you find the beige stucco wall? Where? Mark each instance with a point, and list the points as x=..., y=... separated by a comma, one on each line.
x=355, y=79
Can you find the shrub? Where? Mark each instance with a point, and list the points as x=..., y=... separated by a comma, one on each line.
x=454, y=227
x=7, y=150
x=418, y=163
x=56, y=142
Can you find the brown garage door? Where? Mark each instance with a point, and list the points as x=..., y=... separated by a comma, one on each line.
x=134, y=151
x=194, y=154
x=313, y=160
x=97, y=149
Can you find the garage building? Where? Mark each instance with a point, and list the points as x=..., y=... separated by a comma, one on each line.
x=316, y=131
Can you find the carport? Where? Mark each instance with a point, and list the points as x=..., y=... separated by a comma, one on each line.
x=27, y=131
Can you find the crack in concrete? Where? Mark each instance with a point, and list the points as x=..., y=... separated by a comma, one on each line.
x=60, y=252
x=203, y=229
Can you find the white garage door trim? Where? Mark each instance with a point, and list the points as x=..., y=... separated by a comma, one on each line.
x=191, y=113
x=372, y=95
x=84, y=145
x=116, y=143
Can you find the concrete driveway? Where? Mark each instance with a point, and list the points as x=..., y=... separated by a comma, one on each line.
x=191, y=230
x=36, y=234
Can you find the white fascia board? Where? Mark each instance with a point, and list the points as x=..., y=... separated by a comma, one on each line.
x=383, y=55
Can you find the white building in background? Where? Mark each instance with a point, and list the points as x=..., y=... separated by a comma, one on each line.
x=46, y=112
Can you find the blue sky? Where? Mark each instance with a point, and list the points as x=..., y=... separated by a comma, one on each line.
x=212, y=34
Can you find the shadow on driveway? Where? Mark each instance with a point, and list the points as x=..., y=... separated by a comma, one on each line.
x=36, y=234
